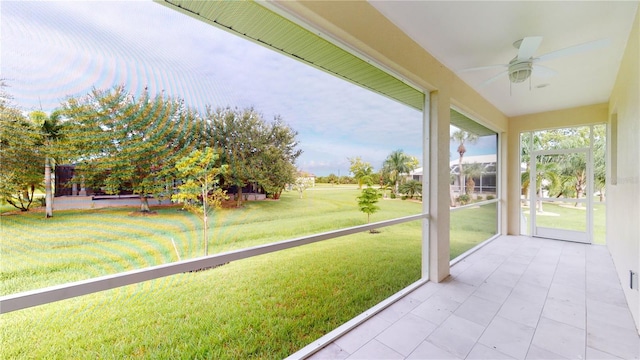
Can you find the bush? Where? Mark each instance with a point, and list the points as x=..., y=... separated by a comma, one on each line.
x=404, y=197
x=479, y=198
x=490, y=197
x=393, y=195
x=463, y=199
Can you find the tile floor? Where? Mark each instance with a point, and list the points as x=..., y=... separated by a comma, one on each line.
x=516, y=298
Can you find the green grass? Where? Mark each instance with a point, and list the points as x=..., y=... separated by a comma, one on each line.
x=571, y=218
x=471, y=226
x=263, y=307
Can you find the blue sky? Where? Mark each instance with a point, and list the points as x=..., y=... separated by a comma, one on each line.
x=51, y=50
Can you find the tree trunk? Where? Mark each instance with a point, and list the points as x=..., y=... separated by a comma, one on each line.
x=239, y=196
x=460, y=175
x=205, y=229
x=452, y=198
x=47, y=189
x=540, y=200
x=205, y=221
x=144, y=203
x=471, y=185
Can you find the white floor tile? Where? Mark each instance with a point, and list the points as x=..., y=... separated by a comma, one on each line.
x=365, y=332
x=508, y=337
x=520, y=309
x=427, y=350
x=457, y=291
x=375, y=350
x=504, y=278
x=425, y=291
x=478, y=310
x=607, y=313
x=570, y=294
x=493, y=292
x=536, y=353
x=483, y=352
x=517, y=297
x=565, y=312
x=330, y=352
x=559, y=338
x=406, y=334
x=436, y=309
x=609, y=338
x=593, y=354
x=531, y=292
x=456, y=335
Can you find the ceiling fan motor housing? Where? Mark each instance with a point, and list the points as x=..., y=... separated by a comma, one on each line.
x=520, y=71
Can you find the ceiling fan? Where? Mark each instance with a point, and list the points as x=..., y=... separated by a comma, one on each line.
x=524, y=63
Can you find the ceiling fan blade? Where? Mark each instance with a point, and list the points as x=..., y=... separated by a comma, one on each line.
x=483, y=68
x=528, y=47
x=543, y=71
x=493, y=78
x=571, y=50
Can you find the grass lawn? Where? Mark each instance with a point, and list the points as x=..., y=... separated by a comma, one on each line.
x=571, y=218
x=264, y=307
x=471, y=226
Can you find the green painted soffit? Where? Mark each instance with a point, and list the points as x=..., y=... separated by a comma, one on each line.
x=258, y=24
x=464, y=123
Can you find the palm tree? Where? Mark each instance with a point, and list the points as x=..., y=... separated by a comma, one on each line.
x=546, y=175
x=411, y=187
x=50, y=131
x=471, y=171
x=462, y=137
x=397, y=163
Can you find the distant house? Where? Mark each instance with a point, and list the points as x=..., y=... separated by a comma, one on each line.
x=484, y=184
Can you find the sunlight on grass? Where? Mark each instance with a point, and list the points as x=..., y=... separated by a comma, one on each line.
x=471, y=226
x=572, y=218
x=263, y=307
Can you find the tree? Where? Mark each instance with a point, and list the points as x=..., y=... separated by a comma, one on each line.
x=20, y=172
x=199, y=192
x=398, y=163
x=546, y=176
x=277, y=158
x=462, y=137
x=256, y=151
x=367, y=201
x=122, y=143
x=239, y=135
x=471, y=171
x=50, y=133
x=599, y=159
x=302, y=183
x=411, y=188
x=361, y=170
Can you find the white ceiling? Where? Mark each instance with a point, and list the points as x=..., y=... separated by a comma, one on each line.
x=469, y=34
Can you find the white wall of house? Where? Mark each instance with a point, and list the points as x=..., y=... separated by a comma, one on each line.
x=623, y=190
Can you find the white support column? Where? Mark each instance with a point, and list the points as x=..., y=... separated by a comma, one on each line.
x=426, y=183
x=439, y=213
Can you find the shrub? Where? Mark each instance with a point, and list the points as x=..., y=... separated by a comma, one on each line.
x=479, y=198
x=463, y=199
x=404, y=197
x=393, y=195
x=490, y=197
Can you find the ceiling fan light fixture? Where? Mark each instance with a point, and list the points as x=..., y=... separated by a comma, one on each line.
x=520, y=71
